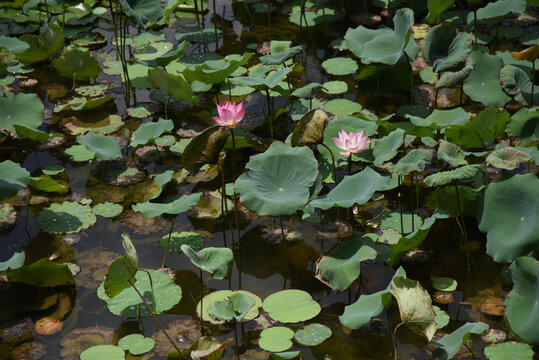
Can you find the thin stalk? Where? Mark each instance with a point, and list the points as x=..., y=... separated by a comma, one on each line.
x=156, y=319
x=533, y=81
x=236, y=337
x=400, y=205
x=215, y=28
x=63, y=14
x=350, y=164
x=463, y=226
x=236, y=208
x=332, y=163
x=268, y=4
x=168, y=241
x=200, y=27
x=153, y=293
x=287, y=79
x=436, y=98
x=395, y=355
x=412, y=198
x=268, y=99
x=225, y=205
x=282, y=228
x=475, y=28
x=115, y=25
x=158, y=152
x=202, y=332
x=166, y=106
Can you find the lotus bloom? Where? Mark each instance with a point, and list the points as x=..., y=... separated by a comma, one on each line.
x=353, y=143
x=229, y=114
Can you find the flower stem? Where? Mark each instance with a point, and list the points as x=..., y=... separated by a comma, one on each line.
x=168, y=242
x=332, y=163
x=350, y=164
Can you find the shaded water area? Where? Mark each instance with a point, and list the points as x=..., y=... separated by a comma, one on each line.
x=263, y=263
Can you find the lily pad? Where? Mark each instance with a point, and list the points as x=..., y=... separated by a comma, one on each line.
x=182, y=204
x=509, y=350
x=136, y=344
x=335, y=87
x=77, y=65
x=226, y=294
x=128, y=304
x=91, y=90
x=13, y=179
x=20, y=109
x=340, y=66
x=107, y=209
x=105, y=147
x=67, y=217
x=83, y=104
x=111, y=352
x=14, y=262
x=444, y=284
x=277, y=338
x=43, y=273
x=150, y=131
x=53, y=169
x=312, y=334
x=342, y=107
x=290, y=306
x=79, y=153
x=215, y=261
x=193, y=239
x=47, y=184
x=442, y=319
x=234, y=307
x=450, y=344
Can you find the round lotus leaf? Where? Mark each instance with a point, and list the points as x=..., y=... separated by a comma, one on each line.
x=277, y=338
x=290, y=306
x=109, y=352
x=79, y=153
x=139, y=112
x=67, y=217
x=89, y=39
x=165, y=140
x=212, y=260
x=136, y=344
x=126, y=303
x=20, y=109
x=92, y=90
x=234, y=307
x=105, y=147
x=442, y=319
x=150, y=131
x=13, y=178
x=106, y=126
x=53, y=169
x=494, y=336
x=335, y=87
x=312, y=334
x=340, y=66
x=278, y=181
x=509, y=350
x=342, y=107
x=223, y=295
x=78, y=65
x=510, y=217
x=507, y=158
x=415, y=160
x=444, y=284
x=193, y=239
x=107, y=209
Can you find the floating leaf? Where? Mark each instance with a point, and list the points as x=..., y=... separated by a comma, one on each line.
x=509, y=350
x=47, y=184
x=510, y=217
x=342, y=265
x=79, y=153
x=175, y=207
x=42, y=273
x=136, y=344
x=368, y=306
x=14, y=262
x=340, y=66
x=212, y=260
x=277, y=338
x=208, y=348
x=13, y=178
x=150, y=131
x=83, y=104
x=33, y=134
x=342, y=107
x=107, y=209
x=128, y=304
x=521, y=304
x=109, y=352
x=278, y=181
x=234, y=307
x=442, y=319
x=335, y=87
x=77, y=65
x=105, y=147
x=204, y=148
x=223, y=295
x=414, y=306
x=440, y=119
x=290, y=306
x=67, y=217
x=450, y=344
x=310, y=129
x=444, y=284
x=194, y=240
x=507, y=158
x=312, y=334
x=21, y=109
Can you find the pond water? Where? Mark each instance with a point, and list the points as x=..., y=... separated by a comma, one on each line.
x=263, y=263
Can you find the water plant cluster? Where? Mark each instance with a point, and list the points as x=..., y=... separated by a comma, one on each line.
x=267, y=179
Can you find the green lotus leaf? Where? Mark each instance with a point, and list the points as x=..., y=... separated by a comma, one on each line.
x=136, y=344
x=444, y=198
x=440, y=119
x=128, y=304
x=310, y=129
x=215, y=71
x=342, y=265
x=43, y=46
x=140, y=12
x=235, y=306
x=105, y=147
x=392, y=220
x=215, y=261
x=353, y=189
x=171, y=6
x=109, y=352
x=42, y=273
x=450, y=79
x=483, y=83
x=495, y=12
x=340, y=66
x=446, y=177
x=53, y=169
x=308, y=91
x=415, y=160
x=436, y=8
x=517, y=83
x=382, y=45
x=442, y=319
x=521, y=305
x=414, y=306
x=271, y=81
x=444, y=284
x=13, y=44
x=174, y=85
x=335, y=87
x=312, y=334
x=278, y=181
x=386, y=148
x=287, y=355
x=450, y=344
x=118, y=276
x=107, y=209
x=13, y=178
x=280, y=51
x=139, y=112
x=223, y=295
x=276, y=338
x=79, y=153
x=451, y=153
x=89, y=39
x=290, y=306
x=314, y=16
x=20, y=109
x=174, y=207
x=83, y=104
x=14, y=262
x=510, y=217
x=77, y=65
x=524, y=124
x=150, y=131
x=342, y=107
x=437, y=52
x=193, y=239
x=152, y=51
x=67, y=217
x=368, y=306
x=414, y=239
x=33, y=134
x=204, y=148
x=507, y=158
x=509, y=350
x=47, y=184
x=486, y=126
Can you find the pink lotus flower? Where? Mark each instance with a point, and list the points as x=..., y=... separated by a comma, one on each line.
x=230, y=114
x=353, y=143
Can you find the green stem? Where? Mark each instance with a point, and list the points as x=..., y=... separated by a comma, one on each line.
x=200, y=27
x=168, y=241
x=463, y=226
x=166, y=106
x=400, y=204
x=533, y=81
x=158, y=152
x=350, y=164
x=202, y=331
x=411, y=82
x=282, y=228
x=332, y=163
x=236, y=207
x=268, y=99
x=395, y=355
x=412, y=198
